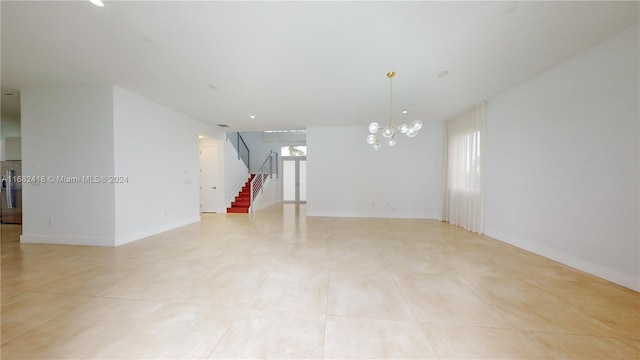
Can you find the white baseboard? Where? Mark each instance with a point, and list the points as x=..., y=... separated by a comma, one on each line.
x=372, y=215
x=66, y=240
x=569, y=260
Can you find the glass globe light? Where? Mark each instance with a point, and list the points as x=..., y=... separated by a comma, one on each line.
x=411, y=132
x=377, y=146
x=374, y=127
x=416, y=124
x=391, y=141
x=403, y=128
x=388, y=132
x=371, y=139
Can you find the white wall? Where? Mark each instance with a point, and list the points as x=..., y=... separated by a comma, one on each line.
x=261, y=149
x=346, y=177
x=68, y=132
x=12, y=148
x=271, y=194
x=107, y=131
x=562, y=162
x=157, y=148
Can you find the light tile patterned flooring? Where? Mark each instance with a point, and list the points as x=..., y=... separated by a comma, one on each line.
x=278, y=284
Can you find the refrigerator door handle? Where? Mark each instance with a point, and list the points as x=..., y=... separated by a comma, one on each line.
x=9, y=186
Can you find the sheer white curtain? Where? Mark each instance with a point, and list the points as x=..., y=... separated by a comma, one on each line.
x=464, y=158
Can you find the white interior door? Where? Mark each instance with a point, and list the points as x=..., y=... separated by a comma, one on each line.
x=209, y=178
x=302, y=180
x=294, y=179
x=288, y=180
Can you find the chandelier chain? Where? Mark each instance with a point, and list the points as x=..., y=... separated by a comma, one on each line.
x=391, y=101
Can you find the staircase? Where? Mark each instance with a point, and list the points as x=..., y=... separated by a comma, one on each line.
x=243, y=201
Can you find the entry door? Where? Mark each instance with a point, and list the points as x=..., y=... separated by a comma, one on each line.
x=294, y=179
x=209, y=178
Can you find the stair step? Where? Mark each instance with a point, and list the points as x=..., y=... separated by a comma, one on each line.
x=242, y=202
x=236, y=204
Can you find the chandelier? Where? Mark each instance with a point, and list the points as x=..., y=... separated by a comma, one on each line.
x=390, y=131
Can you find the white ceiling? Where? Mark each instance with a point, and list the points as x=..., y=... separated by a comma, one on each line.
x=300, y=64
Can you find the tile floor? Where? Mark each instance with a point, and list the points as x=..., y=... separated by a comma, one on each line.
x=278, y=284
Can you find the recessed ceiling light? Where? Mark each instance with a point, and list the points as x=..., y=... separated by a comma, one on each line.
x=405, y=111
x=223, y=125
x=443, y=73
x=252, y=116
x=98, y=3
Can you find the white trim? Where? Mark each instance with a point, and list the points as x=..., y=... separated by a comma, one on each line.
x=373, y=215
x=66, y=240
x=589, y=267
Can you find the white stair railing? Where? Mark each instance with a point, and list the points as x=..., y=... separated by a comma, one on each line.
x=241, y=147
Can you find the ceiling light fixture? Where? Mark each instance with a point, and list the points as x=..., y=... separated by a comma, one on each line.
x=405, y=111
x=98, y=3
x=252, y=116
x=389, y=132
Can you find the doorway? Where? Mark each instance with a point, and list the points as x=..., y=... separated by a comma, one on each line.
x=294, y=179
x=209, y=178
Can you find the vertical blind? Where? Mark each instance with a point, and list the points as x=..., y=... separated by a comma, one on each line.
x=464, y=162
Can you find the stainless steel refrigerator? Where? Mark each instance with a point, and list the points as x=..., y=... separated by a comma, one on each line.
x=11, y=193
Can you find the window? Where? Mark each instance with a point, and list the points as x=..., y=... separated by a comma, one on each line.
x=464, y=164
x=464, y=194
x=294, y=150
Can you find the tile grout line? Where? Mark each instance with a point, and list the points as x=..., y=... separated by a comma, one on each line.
x=326, y=307
x=573, y=306
x=243, y=309
x=415, y=318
